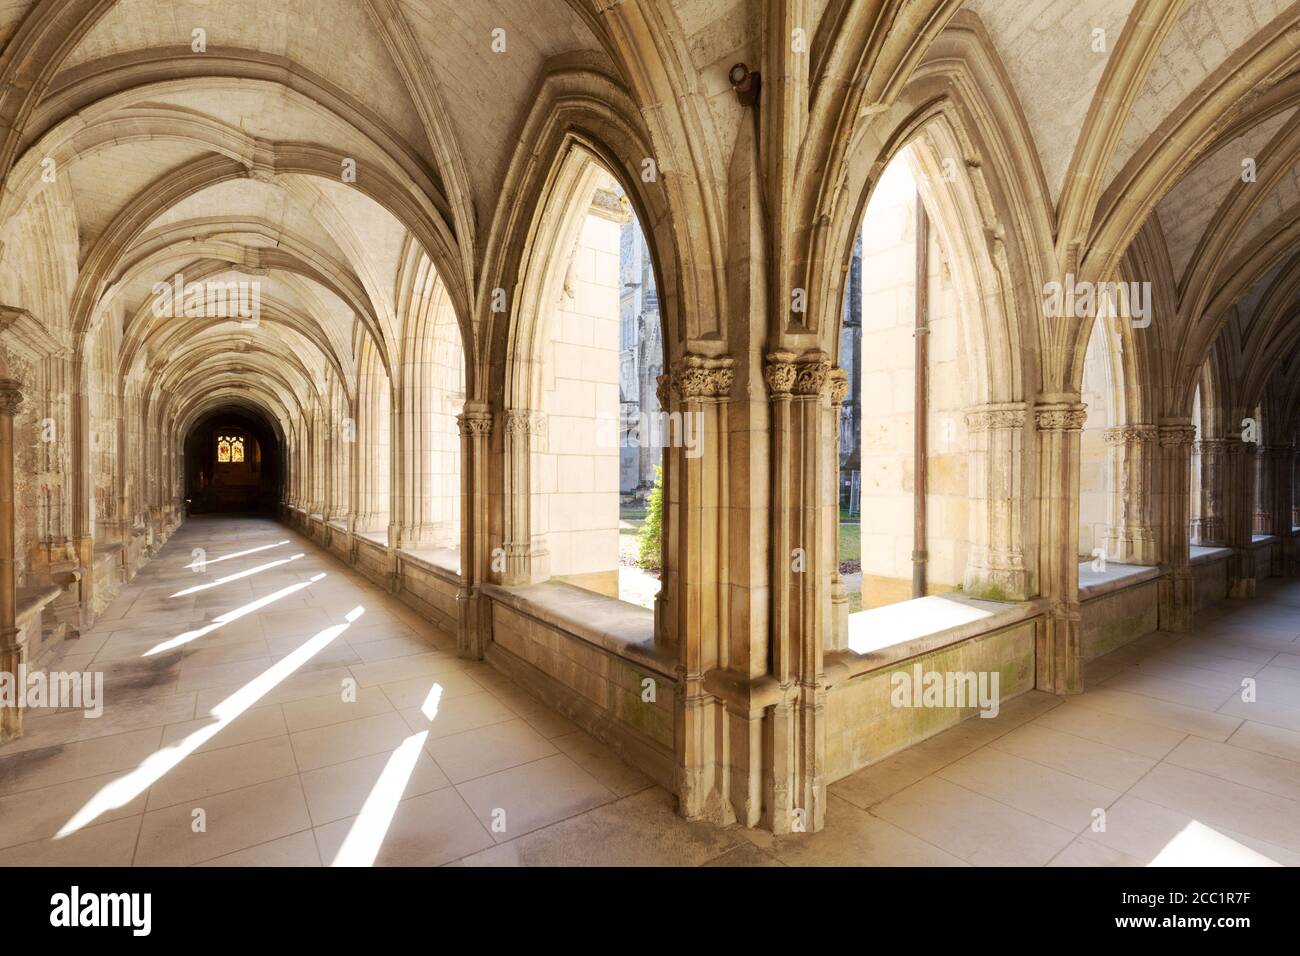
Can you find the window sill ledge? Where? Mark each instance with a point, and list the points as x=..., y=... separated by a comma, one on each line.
x=622, y=629
x=1116, y=577
x=883, y=636
x=442, y=561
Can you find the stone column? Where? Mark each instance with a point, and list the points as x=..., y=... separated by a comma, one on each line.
x=1177, y=597
x=693, y=610
x=1059, y=648
x=12, y=653
x=475, y=630
x=398, y=471
x=83, y=485
x=1279, y=464
x=1262, y=475
x=1131, y=537
x=1295, y=489
x=527, y=555
x=796, y=796
x=995, y=567
x=838, y=636
x=1239, y=508
x=1209, y=528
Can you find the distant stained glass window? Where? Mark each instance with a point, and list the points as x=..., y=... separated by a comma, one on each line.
x=229, y=449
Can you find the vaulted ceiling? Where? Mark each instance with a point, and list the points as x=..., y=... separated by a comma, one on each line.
x=214, y=140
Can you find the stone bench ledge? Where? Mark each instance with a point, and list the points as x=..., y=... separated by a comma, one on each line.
x=884, y=636
x=32, y=599
x=444, y=562
x=1204, y=555
x=622, y=629
x=1094, y=584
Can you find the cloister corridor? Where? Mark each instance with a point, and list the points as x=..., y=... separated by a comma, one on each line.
x=242, y=714
x=689, y=433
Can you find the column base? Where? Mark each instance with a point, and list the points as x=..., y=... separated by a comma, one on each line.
x=12, y=658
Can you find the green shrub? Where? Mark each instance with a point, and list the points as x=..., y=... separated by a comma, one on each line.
x=648, y=539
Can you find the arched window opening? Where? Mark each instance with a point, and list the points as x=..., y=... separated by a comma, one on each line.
x=640, y=363
x=432, y=399
x=585, y=430
x=903, y=485
x=1097, y=466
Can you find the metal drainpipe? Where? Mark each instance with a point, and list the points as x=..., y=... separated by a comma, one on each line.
x=921, y=335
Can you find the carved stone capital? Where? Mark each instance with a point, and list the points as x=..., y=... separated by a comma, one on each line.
x=812, y=371
x=525, y=421
x=778, y=372
x=802, y=376
x=11, y=396
x=996, y=417
x=661, y=390
x=839, y=380
x=475, y=424
x=1060, y=416
x=1127, y=434
x=1177, y=434
x=696, y=377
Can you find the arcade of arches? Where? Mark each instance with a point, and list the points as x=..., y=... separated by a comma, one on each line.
x=962, y=336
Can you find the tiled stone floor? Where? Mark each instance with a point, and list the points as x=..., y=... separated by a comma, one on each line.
x=239, y=713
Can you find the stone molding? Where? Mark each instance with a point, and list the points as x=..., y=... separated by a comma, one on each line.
x=996, y=417
x=839, y=379
x=608, y=204
x=1126, y=434
x=11, y=396
x=1177, y=434
x=526, y=421
x=1060, y=416
x=802, y=376
x=696, y=377
x=475, y=424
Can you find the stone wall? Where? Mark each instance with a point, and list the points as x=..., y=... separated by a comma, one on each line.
x=888, y=388
x=604, y=693
x=863, y=725
x=579, y=470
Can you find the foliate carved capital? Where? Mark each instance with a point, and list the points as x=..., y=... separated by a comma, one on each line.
x=1130, y=434
x=803, y=376
x=696, y=377
x=839, y=385
x=475, y=424
x=661, y=390
x=1179, y=434
x=1060, y=417
x=778, y=372
x=997, y=417
x=525, y=421
x=11, y=396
